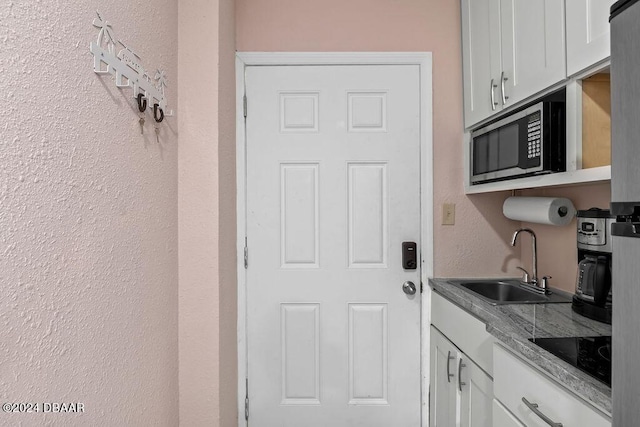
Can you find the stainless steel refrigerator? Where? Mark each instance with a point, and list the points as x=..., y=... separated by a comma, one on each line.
x=625, y=204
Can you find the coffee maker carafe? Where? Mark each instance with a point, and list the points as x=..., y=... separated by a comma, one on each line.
x=593, y=282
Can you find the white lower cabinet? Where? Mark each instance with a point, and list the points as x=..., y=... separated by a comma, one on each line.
x=443, y=384
x=535, y=400
x=503, y=418
x=461, y=393
x=476, y=395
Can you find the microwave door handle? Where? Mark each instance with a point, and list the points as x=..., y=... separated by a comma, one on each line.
x=494, y=104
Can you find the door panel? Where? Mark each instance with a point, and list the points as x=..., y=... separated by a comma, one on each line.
x=625, y=175
x=533, y=47
x=443, y=381
x=476, y=396
x=368, y=354
x=300, y=328
x=588, y=36
x=625, y=92
x=481, y=58
x=299, y=215
x=332, y=192
x=367, y=206
x=625, y=341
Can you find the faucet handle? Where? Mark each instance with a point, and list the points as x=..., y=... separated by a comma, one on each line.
x=525, y=278
x=545, y=282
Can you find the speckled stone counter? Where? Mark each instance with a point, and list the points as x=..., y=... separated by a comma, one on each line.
x=514, y=324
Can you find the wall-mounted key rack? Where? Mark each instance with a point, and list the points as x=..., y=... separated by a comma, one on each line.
x=126, y=67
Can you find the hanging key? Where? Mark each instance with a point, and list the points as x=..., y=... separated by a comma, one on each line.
x=142, y=107
x=158, y=118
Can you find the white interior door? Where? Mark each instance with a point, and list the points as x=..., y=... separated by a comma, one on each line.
x=333, y=189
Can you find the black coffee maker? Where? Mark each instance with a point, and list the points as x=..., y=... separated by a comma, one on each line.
x=593, y=282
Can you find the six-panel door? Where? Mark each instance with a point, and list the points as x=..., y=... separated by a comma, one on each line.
x=333, y=189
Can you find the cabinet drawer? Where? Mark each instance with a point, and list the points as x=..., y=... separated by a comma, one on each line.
x=514, y=380
x=468, y=333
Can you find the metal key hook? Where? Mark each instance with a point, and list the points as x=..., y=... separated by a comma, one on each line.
x=156, y=108
x=142, y=103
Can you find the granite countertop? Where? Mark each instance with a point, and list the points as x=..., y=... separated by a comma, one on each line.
x=514, y=324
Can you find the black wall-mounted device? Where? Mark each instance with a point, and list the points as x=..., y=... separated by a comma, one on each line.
x=409, y=255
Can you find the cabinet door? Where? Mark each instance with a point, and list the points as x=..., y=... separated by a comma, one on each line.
x=533, y=47
x=443, y=381
x=476, y=394
x=588, y=40
x=480, y=58
x=502, y=417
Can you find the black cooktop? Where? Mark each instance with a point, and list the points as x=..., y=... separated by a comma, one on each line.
x=589, y=354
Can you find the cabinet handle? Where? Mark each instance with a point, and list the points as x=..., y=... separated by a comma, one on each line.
x=460, y=366
x=494, y=104
x=449, y=359
x=502, y=80
x=534, y=408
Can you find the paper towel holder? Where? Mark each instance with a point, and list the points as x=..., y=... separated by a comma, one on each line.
x=540, y=210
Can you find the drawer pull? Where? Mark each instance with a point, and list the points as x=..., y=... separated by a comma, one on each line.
x=534, y=408
x=460, y=366
x=449, y=359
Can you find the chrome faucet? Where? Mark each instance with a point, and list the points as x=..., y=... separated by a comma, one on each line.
x=534, y=279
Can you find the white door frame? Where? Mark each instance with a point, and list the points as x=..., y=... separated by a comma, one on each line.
x=423, y=60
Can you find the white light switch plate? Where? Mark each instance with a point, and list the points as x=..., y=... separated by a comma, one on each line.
x=448, y=214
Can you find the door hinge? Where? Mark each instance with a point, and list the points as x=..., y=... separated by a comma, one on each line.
x=246, y=257
x=246, y=401
x=420, y=287
x=244, y=105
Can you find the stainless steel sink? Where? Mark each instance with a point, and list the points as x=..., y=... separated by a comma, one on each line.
x=507, y=291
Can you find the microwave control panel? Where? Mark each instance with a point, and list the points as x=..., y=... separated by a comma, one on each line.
x=534, y=129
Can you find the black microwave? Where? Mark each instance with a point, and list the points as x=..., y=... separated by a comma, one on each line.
x=529, y=141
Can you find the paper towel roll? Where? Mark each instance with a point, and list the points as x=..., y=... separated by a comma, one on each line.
x=540, y=210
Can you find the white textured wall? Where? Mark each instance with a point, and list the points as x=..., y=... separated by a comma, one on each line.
x=88, y=219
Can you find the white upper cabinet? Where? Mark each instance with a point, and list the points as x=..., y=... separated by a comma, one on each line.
x=481, y=58
x=533, y=47
x=588, y=40
x=511, y=50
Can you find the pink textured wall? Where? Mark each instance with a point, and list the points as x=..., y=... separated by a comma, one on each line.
x=206, y=159
x=228, y=304
x=478, y=243
x=557, y=252
x=88, y=219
